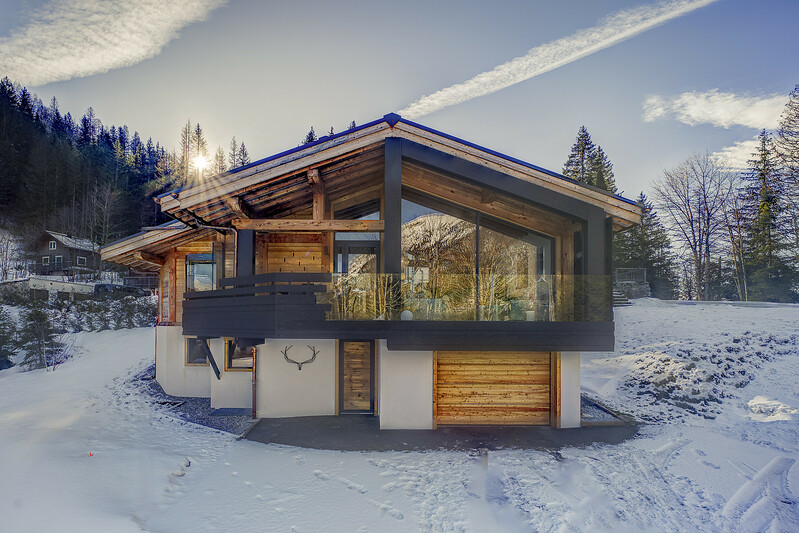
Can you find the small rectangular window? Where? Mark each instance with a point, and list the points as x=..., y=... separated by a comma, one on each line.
x=200, y=272
x=59, y=259
x=52, y=245
x=81, y=261
x=195, y=352
x=46, y=260
x=236, y=357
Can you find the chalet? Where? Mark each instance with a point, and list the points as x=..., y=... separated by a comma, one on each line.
x=59, y=254
x=391, y=270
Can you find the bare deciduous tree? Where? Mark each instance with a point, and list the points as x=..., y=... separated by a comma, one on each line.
x=693, y=196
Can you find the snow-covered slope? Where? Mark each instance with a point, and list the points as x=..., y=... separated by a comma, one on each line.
x=723, y=462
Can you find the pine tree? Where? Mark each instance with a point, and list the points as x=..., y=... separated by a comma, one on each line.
x=787, y=141
x=8, y=346
x=771, y=277
x=199, y=166
x=600, y=171
x=309, y=137
x=233, y=154
x=220, y=164
x=648, y=246
x=244, y=156
x=186, y=154
x=36, y=336
x=787, y=144
x=578, y=165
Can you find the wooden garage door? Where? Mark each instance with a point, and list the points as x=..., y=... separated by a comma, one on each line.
x=485, y=388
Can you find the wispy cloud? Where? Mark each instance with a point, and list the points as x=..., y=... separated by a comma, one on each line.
x=735, y=157
x=75, y=38
x=717, y=108
x=612, y=30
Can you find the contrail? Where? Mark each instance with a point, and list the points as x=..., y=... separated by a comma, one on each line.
x=614, y=29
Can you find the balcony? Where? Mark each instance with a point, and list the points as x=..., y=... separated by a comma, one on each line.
x=411, y=312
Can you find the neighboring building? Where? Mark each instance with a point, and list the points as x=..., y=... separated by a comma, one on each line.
x=392, y=270
x=58, y=254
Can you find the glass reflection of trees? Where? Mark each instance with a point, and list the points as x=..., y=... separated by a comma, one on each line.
x=458, y=265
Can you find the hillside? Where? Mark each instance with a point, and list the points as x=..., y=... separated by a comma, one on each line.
x=84, y=449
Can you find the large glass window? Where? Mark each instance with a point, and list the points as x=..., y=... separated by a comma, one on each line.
x=515, y=281
x=462, y=265
x=200, y=272
x=438, y=260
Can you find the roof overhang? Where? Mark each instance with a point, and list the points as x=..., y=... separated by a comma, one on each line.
x=222, y=198
x=146, y=250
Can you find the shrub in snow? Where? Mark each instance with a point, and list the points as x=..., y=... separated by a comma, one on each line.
x=8, y=331
x=37, y=337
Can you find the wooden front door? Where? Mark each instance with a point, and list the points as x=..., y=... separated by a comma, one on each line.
x=492, y=388
x=357, y=377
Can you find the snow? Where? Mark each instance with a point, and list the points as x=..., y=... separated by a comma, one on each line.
x=83, y=449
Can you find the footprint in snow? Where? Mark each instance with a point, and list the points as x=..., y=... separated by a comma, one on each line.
x=711, y=465
x=321, y=475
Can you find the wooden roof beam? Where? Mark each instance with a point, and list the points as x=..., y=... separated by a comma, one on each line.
x=315, y=181
x=282, y=224
x=149, y=258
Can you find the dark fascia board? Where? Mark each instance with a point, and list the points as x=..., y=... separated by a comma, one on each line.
x=512, y=159
x=487, y=177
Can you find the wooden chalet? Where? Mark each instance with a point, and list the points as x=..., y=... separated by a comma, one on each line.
x=58, y=254
x=391, y=270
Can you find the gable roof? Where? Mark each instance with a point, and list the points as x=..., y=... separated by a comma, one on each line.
x=219, y=199
x=155, y=241
x=73, y=242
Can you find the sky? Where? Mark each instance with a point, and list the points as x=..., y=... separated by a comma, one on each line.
x=653, y=81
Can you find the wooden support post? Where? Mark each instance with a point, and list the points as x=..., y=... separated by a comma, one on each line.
x=173, y=287
x=245, y=253
x=392, y=215
x=554, y=390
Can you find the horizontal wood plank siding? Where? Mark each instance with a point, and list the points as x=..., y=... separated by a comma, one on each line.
x=492, y=388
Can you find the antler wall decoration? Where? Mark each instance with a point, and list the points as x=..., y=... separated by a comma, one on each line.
x=285, y=352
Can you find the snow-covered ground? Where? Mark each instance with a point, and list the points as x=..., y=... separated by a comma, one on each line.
x=81, y=449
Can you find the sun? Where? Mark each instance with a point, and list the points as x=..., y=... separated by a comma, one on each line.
x=201, y=163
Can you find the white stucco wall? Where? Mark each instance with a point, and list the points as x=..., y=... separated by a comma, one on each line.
x=405, y=389
x=284, y=391
x=570, y=389
x=171, y=371
x=234, y=388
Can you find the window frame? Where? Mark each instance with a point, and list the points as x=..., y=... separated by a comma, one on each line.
x=228, y=368
x=45, y=260
x=78, y=260
x=189, y=261
x=186, y=353
x=52, y=245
